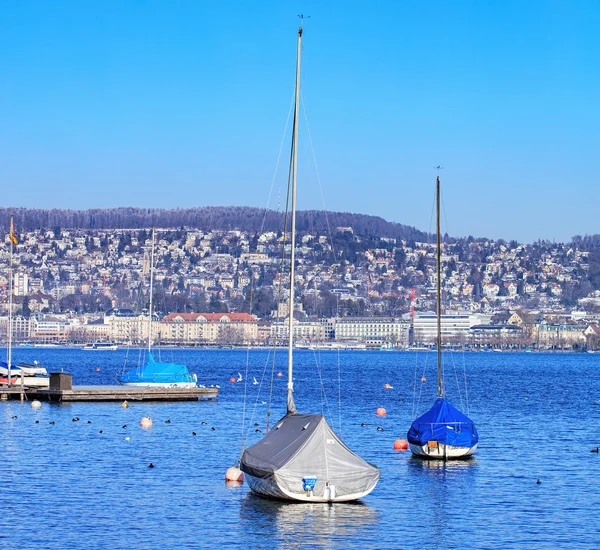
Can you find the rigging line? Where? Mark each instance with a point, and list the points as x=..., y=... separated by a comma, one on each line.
x=323, y=392
x=266, y=210
x=333, y=250
x=244, y=405
x=264, y=372
x=339, y=391
x=251, y=299
x=415, y=384
x=271, y=385
x=125, y=362
x=282, y=265
x=466, y=388
x=423, y=376
x=457, y=383
x=312, y=149
x=444, y=211
x=287, y=122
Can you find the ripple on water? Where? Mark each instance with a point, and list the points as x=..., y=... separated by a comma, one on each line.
x=534, y=412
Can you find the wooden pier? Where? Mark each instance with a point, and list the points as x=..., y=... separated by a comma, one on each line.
x=61, y=390
x=121, y=393
x=12, y=392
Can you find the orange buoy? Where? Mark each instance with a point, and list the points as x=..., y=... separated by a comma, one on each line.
x=387, y=386
x=423, y=379
x=380, y=411
x=232, y=379
x=146, y=422
x=279, y=374
x=234, y=474
x=97, y=369
x=400, y=445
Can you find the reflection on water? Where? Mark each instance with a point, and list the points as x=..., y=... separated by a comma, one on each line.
x=418, y=464
x=311, y=523
x=101, y=489
x=440, y=484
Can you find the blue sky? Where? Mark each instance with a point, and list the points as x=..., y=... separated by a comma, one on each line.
x=184, y=103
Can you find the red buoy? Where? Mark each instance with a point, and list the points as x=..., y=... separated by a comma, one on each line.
x=423, y=379
x=97, y=369
x=232, y=379
x=380, y=411
x=400, y=445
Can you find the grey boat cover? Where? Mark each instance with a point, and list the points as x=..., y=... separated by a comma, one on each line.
x=304, y=445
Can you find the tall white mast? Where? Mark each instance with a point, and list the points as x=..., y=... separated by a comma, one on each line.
x=291, y=407
x=10, y=299
x=151, y=291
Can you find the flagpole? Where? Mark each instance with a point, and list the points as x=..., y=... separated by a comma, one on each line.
x=10, y=299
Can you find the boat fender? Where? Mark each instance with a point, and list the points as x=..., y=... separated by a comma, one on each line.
x=146, y=422
x=308, y=483
x=234, y=474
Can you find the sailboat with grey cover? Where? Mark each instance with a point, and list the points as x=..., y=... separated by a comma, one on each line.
x=302, y=458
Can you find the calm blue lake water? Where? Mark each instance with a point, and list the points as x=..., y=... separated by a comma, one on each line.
x=66, y=485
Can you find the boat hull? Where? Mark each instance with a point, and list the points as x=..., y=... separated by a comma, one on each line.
x=185, y=385
x=268, y=487
x=441, y=451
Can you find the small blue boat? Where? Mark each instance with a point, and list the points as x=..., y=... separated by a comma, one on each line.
x=159, y=374
x=443, y=432
x=156, y=373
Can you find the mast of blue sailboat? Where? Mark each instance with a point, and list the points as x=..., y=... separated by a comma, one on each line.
x=10, y=299
x=439, y=289
x=291, y=406
x=151, y=287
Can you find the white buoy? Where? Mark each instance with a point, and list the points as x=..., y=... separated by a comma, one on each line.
x=234, y=474
x=146, y=422
x=35, y=404
x=125, y=404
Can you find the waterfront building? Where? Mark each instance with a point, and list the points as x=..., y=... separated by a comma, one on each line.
x=455, y=326
x=490, y=335
x=304, y=331
x=388, y=330
x=209, y=328
x=560, y=335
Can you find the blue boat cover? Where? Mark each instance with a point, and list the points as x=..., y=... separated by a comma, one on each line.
x=155, y=372
x=445, y=424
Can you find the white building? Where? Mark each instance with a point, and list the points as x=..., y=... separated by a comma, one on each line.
x=304, y=331
x=455, y=327
x=20, y=284
x=387, y=329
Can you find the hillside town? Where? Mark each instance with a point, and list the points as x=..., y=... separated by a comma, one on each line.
x=228, y=287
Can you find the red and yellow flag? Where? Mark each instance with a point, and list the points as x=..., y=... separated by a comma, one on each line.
x=13, y=237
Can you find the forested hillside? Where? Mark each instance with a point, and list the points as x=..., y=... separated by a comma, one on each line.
x=205, y=218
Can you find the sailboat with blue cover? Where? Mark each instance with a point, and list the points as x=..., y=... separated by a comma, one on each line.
x=443, y=432
x=157, y=374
